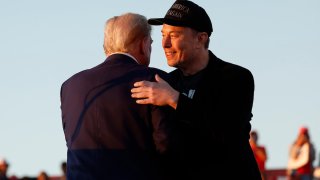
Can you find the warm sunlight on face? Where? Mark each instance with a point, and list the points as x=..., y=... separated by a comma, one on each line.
x=178, y=44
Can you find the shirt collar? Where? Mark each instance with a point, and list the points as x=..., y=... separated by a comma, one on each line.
x=126, y=54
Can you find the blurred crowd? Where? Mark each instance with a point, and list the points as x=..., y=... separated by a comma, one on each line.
x=301, y=157
x=42, y=175
x=301, y=160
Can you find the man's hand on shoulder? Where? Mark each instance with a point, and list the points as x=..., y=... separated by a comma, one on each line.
x=158, y=93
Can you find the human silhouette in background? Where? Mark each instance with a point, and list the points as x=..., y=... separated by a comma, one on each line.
x=212, y=99
x=301, y=157
x=259, y=152
x=316, y=173
x=109, y=136
x=63, y=167
x=43, y=176
x=4, y=165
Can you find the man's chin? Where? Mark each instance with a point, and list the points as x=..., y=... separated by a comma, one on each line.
x=171, y=63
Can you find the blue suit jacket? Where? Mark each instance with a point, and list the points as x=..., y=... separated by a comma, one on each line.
x=108, y=135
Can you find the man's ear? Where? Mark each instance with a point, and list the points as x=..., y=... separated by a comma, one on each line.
x=143, y=46
x=202, y=39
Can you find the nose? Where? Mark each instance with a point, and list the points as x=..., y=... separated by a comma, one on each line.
x=166, y=41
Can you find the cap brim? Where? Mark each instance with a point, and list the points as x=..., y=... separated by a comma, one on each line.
x=156, y=21
x=172, y=22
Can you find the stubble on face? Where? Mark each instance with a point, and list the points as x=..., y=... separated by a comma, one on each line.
x=177, y=43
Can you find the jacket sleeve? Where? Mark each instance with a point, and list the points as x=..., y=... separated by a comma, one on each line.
x=161, y=131
x=184, y=110
x=161, y=118
x=236, y=102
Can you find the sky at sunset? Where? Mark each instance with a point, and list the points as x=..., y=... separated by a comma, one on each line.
x=45, y=42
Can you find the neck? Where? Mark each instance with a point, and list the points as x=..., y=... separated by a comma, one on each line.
x=198, y=63
x=127, y=54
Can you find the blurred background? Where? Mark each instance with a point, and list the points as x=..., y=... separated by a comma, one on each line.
x=42, y=43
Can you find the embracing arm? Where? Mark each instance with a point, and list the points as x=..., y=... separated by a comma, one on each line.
x=158, y=93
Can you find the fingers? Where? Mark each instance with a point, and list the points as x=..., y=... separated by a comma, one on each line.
x=137, y=89
x=141, y=97
x=159, y=79
x=141, y=84
x=138, y=93
x=140, y=90
x=138, y=84
x=142, y=101
x=143, y=92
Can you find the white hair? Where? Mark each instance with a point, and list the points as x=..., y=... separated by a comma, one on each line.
x=123, y=33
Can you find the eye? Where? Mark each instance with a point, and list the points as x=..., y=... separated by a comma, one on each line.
x=174, y=35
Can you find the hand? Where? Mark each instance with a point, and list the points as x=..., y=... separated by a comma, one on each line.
x=158, y=93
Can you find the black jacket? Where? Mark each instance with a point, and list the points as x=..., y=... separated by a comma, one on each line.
x=214, y=126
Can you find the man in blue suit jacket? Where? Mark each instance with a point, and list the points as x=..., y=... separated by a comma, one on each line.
x=108, y=135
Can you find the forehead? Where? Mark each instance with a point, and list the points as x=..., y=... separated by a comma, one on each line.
x=166, y=28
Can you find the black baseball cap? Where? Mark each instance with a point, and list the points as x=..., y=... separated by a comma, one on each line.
x=187, y=14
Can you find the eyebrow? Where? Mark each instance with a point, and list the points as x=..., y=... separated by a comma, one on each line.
x=173, y=31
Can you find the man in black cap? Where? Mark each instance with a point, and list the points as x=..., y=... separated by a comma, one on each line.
x=212, y=99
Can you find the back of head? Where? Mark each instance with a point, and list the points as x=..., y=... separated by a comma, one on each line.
x=3, y=166
x=43, y=176
x=304, y=131
x=64, y=167
x=254, y=136
x=122, y=33
x=3, y=161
